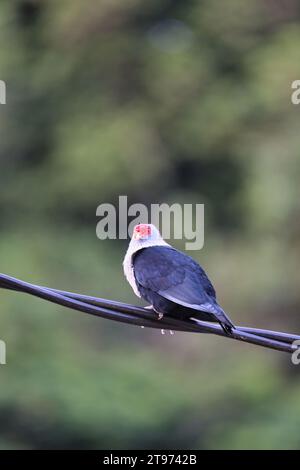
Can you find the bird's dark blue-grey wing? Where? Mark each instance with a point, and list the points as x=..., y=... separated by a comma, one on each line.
x=179, y=279
x=176, y=277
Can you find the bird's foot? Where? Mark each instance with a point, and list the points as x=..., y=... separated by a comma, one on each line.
x=163, y=332
x=160, y=315
x=171, y=332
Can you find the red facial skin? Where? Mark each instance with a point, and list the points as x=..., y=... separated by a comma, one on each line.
x=141, y=231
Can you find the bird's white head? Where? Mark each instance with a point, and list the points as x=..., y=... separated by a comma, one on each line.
x=146, y=232
x=144, y=236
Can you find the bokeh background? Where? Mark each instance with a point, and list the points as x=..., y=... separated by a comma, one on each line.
x=164, y=101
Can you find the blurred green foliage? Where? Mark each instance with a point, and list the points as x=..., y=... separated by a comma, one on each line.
x=165, y=102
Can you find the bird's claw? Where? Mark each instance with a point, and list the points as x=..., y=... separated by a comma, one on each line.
x=160, y=315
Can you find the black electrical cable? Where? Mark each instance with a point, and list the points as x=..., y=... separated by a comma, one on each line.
x=139, y=316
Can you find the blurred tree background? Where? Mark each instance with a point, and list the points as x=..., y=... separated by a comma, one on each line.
x=164, y=101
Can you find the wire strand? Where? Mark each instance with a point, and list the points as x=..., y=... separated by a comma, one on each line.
x=139, y=316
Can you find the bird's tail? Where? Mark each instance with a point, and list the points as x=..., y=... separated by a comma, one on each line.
x=226, y=328
x=267, y=339
x=224, y=321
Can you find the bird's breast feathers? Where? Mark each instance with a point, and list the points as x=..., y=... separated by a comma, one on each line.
x=129, y=272
x=128, y=263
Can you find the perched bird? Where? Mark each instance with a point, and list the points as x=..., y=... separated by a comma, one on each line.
x=171, y=281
